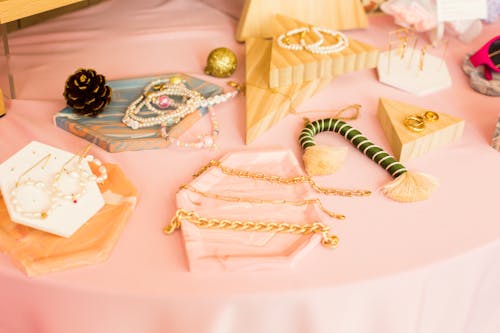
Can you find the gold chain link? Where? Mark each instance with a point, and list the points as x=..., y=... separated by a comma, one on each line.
x=328, y=241
x=264, y=201
x=281, y=180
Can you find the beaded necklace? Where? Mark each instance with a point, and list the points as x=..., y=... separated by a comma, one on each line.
x=157, y=99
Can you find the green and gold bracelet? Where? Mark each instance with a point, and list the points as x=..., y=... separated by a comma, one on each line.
x=406, y=187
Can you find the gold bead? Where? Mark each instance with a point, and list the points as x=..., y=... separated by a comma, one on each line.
x=221, y=62
x=175, y=80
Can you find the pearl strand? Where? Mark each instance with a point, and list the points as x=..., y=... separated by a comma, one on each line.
x=342, y=42
x=283, y=39
x=83, y=176
x=316, y=47
x=163, y=87
x=42, y=213
x=168, y=117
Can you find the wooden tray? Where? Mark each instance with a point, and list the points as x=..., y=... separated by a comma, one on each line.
x=107, y=130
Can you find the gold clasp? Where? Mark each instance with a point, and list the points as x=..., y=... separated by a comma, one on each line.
x=329, y=241
x=238, y=87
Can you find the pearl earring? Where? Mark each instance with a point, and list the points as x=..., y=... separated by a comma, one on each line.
x=36, y=190
x=78, y=173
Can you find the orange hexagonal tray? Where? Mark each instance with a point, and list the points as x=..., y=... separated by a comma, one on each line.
x=37, y=252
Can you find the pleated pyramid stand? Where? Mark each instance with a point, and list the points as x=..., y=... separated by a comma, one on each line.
x=265, y=106
x=295, y=67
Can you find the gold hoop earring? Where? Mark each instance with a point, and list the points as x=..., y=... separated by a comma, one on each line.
x=416, y=122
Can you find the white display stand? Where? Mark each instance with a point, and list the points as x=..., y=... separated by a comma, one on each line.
x=406, y=75
x=65, y=219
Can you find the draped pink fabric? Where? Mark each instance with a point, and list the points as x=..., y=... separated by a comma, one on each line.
x=430, y=267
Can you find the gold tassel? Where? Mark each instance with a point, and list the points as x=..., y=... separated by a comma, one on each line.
x=323, y=160
x=410, y=187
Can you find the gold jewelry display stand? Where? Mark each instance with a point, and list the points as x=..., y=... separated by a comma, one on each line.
x=295, y=67
x=12, y=10
x=407, y=144
x=257, y=15
x=266, y=106
x=2, y=105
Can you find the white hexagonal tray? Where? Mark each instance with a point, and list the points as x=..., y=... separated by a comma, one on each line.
x=65, y=219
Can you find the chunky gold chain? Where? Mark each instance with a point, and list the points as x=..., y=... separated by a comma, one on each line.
x=281, y=180
x=327, y=240
x=263, y=201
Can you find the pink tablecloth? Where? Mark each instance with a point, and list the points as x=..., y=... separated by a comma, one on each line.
x=431, y=266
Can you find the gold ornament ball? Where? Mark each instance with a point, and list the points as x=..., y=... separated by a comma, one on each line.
x=221, y=62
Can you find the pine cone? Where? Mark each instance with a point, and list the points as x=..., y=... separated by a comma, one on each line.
x=86, y=92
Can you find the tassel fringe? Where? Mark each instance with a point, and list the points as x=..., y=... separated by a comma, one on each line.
x=323, y=160
x=410, y=187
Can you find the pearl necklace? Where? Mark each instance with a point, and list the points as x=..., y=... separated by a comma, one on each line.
x=159, y=92
x=316, y=47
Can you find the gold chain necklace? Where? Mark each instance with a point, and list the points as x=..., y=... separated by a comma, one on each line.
x=328, y=241
x=264, y=201
x=281, y=180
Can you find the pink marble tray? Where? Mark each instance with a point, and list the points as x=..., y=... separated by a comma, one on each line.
x=238, y=250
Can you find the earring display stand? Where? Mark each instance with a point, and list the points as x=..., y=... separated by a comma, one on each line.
x=407, y=144
x=405, y=74
x=67, y=218
x=295, y=67
x=2, y=105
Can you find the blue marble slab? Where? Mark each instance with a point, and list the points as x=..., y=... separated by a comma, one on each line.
x=107, y=130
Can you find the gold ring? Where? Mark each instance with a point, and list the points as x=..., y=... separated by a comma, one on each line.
x=415, y=123
x=431, y=116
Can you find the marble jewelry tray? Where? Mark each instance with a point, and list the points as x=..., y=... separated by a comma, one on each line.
x=107, y=130
x=227, y=250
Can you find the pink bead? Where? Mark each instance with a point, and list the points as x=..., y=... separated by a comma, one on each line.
x=208, y=141
x=164, y=101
